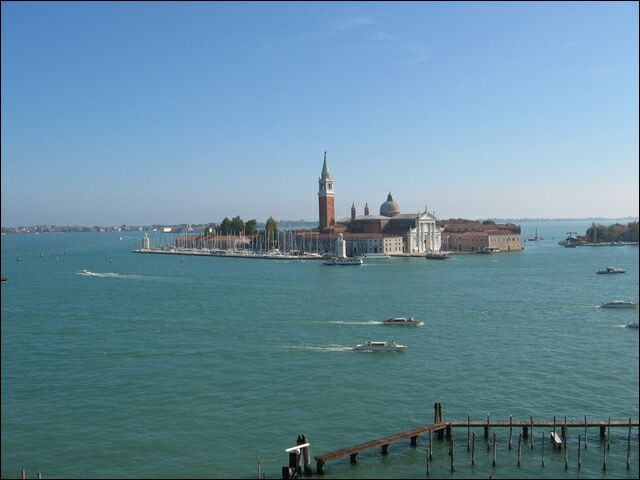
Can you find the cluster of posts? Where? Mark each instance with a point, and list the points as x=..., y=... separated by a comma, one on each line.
x=300, y=453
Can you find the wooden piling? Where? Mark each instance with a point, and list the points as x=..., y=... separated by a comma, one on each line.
x=430, y=447
x=579, y=451
x=427, y=455
x=525, y=432
x=448, y=432
x=385, y=449
x=510, y=429
x=609, y=434
x=629, y=444
x=585, y=432
x=23, y=474
x=603, y=432
x=414, y=441
x=494, y=449
x=554, y=424
x=473, y=448
x=531, y=432
x=542, y=443
x=486, y=429
x=519, y=448
x=604, y=457
x=566, y=456
x=453, y=448
x=353, y=458
x=38, y=475
x=319, y=467
x=435, y=413
x=306, y=456
x=468, y=432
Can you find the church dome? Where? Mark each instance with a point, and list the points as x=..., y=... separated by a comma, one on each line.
x=389, y=208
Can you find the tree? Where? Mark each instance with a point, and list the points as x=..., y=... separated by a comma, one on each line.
x=489, y=222
x=225, y=226
x=251, y=227
x=237, y=225
x=271, y=229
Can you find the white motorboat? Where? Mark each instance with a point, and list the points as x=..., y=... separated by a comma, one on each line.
x=619, y=304
x=611, y=270
x=343, y=261
x=379, y=347
x=84, y=272
x=632, y=325
x=402, y=321
x=437, y=256
x=373, y=256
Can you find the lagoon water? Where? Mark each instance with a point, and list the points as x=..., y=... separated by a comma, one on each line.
x=153, y=367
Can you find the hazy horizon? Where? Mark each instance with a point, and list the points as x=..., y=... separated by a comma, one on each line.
x=157, y=113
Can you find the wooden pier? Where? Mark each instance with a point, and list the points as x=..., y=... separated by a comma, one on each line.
x=442, y=427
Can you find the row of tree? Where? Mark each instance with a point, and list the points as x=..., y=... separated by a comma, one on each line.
x=613, y=233
x=237, y=226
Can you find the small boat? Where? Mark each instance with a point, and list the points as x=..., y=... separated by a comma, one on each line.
x=619, y=304
x=632, y=325
x=555, y=439
x=535, y=238
x=402, y=321
x=437, y=256
x=489, y=250
x=611, y=270
x=3, y=279
x=84, y=272
x=343, y=261
x=379, y=347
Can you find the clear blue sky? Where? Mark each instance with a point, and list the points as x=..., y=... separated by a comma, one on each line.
x=189, y=112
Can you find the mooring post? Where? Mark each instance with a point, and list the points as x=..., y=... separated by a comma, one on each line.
x=542, y=443
x=427, y=455
x=430, y=447
x=604, y=457
x=585, y=432
x=453, y=447
x=385, y=449
x=531, y=432
x=564, y=431
x=468, y=432
x=629, y=444
x=306, y=457
x=510, y=429
x=554, y=424
x=448, y=430
x=319, y=467
x=579, y=447
x=609, y=434
x=414, y=441
x=473, y=448
x=525, y=432
x=603, y=432
x=486, y=429
x=494, y=449
x=23, y=474
x=435, y=413
x=294, y=464
x=38, y=475
x=566, y=456
x=519, y=448
x=353, y=458
x=441, y=413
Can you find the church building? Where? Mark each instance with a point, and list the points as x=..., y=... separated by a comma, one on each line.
x=391, y=232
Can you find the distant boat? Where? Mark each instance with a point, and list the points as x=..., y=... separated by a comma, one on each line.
x=437, y=256
x=402, y=321
x=343, y=261
x=379, y=347
x=536, y=237
x=84, y=272
x=489, y=250
x=3, y=279
x=611, y=270
x=376, y=255
x=619, y=304
x=632, y=325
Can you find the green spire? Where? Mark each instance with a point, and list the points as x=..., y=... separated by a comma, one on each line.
x=325, y=169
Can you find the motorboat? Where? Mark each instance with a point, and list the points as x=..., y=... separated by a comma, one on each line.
x=379, y=347
x=632, y=325
x=489, y=250
x=536, y=237
x=84, y=272
x=402, y=321
x=4, y=279
x=611, y=270
x=437, y=256
x=373, y=256
x=343, y=261
x=619, y=304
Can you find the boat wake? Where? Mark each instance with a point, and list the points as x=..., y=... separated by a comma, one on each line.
x=322, y=348
x=370, y=322
x=87, y=273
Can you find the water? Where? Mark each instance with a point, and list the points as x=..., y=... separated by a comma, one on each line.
x=153, y=367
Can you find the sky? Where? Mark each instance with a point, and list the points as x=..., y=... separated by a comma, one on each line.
x=161, y=112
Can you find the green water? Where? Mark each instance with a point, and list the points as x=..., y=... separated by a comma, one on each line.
x=155, y=367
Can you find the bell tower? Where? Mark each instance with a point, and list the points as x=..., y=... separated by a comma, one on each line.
x=326, y=198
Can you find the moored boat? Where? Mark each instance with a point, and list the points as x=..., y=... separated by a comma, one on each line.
x=402, y=321
x=379, y=347
x=632, y=325
x=437, y=256
x=343, y=261
x=489, y=250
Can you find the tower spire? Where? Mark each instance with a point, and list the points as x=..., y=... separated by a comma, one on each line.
x=325, y=169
